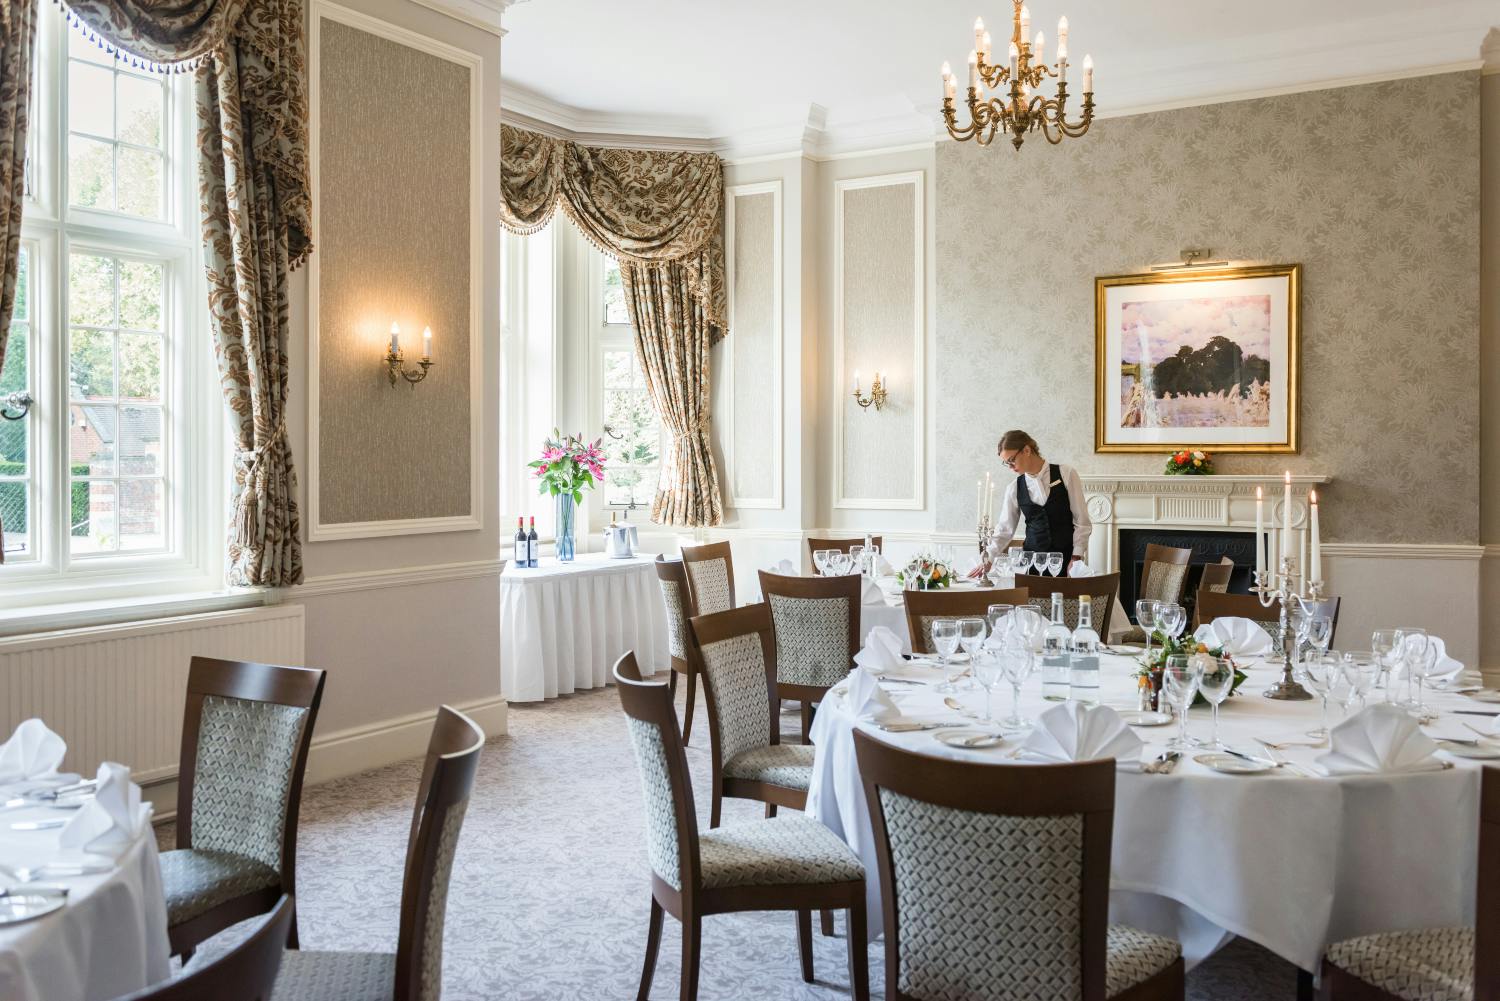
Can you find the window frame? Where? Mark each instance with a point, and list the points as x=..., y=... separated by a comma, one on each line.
x=195, y=451
x=603, y=337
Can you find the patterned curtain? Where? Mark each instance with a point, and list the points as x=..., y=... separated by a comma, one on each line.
x=17, y=35
x=661, y=215
x=256, y=202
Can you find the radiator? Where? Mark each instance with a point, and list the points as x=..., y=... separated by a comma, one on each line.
x=115, y=693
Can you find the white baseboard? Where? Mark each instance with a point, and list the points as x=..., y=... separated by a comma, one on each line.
x=359, y=748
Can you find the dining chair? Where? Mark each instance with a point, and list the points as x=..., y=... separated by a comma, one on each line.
x=786, y=863
x=1163, y=573
x=971, y=855
x=1214, y=579
x=710, y=573
x=678, y=597
x=923, y=608
x=246, y=972
x=1212, y=605
x=815, y=622
x=738, y=657
x=843, y=545
x=414, y=972
x=1102, y=588
x=1431, y=964
x=245, y=734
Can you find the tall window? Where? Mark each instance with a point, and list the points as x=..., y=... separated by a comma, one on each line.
x=634, y=433
x=108, y=331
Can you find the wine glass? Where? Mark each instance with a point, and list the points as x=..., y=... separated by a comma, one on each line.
x=945, y=554
x=1023, y=559
x=1055, y=564
x=971, y=633
x=987, y=671
x=1423, y=667
x=872, y=554
x=1017, y=659
x=1145, y=617
x=820, y=560
x=1383, y=645
x=1411, y=645
x=994, y=614
x=1319, y=671
x=945, y=642
x=857, y=558
x=1215, y=682
x=1039, y=562
x=1180, y=686
x=1319, y=631
x=838, y=563
x=1362, y=668
x=1170, y=619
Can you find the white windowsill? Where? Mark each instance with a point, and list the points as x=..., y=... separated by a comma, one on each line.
x=83, y=614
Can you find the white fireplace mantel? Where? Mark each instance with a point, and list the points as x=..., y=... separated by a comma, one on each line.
x=1216, y=502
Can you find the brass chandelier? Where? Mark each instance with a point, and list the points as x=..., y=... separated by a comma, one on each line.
x=1018, y=109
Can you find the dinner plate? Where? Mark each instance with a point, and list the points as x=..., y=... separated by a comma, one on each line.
x=1231, y=765
x=1486, y=695
x=1146, y=718
x=1483, y=751
x=18, y=906
x=968, y=738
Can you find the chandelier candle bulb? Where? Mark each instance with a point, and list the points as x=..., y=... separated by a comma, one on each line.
x=978, y=33
x=1062, y=36
x=1025, y=20
x=984, y=46
x=1015, y=58
x=1037, y=48
x=973, y=70
x=948, y=82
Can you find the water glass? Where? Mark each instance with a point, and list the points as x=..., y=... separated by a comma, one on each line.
x=1384, y=646
x=1055, y=564
x=1215, y=682
x=1180, y=685
x=857, y=558
x=1423, y=667
x=1017, y=660
x=838, y=563
x=1170, y=619
x=971, y=634
x=1319, y=631
x=1023, y=560
x=987, y=671
x=1145, y=617
x=1362, y=668
x=1319, y=671
x=994, y=614
x=1039, y=562
x=1411, y=647
x=820, y=560
x=945, y=642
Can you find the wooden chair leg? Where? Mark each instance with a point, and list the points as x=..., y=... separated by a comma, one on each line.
x=807, y=715
x=672, y=682
x=653, y=943
x=291, y=935
x=687, y=714
x=1305, y=991
x=859, y=952
x=826, y=921
x=715, y=809
x=804, y=944
x=770, y=810
x=692, y=944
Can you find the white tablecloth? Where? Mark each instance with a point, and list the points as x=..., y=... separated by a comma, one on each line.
x=563, y=625
x=890, y=611
x=110, y=939
x=1291, y=862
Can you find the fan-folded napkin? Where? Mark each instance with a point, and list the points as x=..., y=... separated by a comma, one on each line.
x=881, y=652
x=870, y=593
x=1447, y=669
x=1076, y=732
x=1239, y=636
x=32, y=752
x=1381, y=738
x=110, y=822
x=867, y=698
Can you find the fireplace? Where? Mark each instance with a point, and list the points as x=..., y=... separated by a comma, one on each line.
x=1208, y=546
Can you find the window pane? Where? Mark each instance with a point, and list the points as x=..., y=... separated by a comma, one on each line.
x=91, y=365
x=142, y=515
x=140, y=367
x=13, y=448
x=140, y=183
x=140, y=441
x=23, y=289
x=81, y=48
x=644, y=491
x=140, y=295
x=93, y=518
x=617, y=369
x=630, y=414
x=91, y=174
x=91, y=291
x=13, y=375
x=91, y=439
x=15, y=515
x=91, y=100
x=140, y=104
x=614, y=295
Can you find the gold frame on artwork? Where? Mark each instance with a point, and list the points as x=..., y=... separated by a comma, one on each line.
x=1103, y=385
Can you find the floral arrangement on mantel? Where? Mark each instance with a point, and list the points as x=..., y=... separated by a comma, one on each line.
x=1150, y=671
x=928, y=572
x=1189, y=463
x=568, y=465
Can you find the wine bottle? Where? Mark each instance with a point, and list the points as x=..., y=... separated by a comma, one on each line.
x=521, y=558
x=1057, y=643
x=1083, y=676
x=533, y=545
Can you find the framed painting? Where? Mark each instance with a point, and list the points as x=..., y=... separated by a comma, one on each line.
x=1197, y=359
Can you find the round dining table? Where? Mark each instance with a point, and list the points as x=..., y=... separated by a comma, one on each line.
x=1291, y=858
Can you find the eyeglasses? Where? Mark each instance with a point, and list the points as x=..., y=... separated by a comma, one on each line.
x=1011, y=462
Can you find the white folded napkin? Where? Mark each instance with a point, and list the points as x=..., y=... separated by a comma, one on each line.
x=1447, y=670
x=1381, y=738
x=867, y=698
x=1240, y=637
x=1081, y=569
x=110, y=822
x=870, y=593
x=32, y=752
x=881, y=652
x=783, y=567
x=1076, y=732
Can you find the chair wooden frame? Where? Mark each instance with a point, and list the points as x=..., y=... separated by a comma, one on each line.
x=727, y=625
x=1213, y=575
x=843, y=545
x=1043, y=588
x=287, y=686
x=673, y=571
x=1084, y=788
x=1213, y=605
x=650, y=703
x=1341, y=985
x=954, y=603
x=848, y=586
x=704, y=554
x=246, y=972
x=1171, y=555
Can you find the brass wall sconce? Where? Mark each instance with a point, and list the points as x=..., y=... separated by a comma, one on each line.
x=395, y=360
x=877, y=393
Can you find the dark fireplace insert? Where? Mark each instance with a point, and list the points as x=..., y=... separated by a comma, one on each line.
x=1208, y=546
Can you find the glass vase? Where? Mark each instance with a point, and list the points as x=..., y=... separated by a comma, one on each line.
x=567, y=521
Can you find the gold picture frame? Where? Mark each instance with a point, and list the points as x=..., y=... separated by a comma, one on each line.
x=1228, y=338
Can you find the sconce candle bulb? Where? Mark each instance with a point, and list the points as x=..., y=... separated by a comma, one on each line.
x=427, y=343
x=395, y=358
x=877, y=393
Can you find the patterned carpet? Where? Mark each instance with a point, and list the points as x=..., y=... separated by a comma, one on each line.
x=551, y=891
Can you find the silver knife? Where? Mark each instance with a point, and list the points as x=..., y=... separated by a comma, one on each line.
x=1251, y=757
x=37, y=825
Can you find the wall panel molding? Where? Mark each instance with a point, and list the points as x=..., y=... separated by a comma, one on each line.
x=856, y=320
x=450, y=342
x=773, y=497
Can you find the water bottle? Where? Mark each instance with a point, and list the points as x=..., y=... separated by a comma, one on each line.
x=1083, y=676
x=1057, y=655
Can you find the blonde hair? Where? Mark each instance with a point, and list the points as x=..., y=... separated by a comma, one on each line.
x=1016, y=441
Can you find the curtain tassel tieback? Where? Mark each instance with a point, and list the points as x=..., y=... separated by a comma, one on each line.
x=247, y=505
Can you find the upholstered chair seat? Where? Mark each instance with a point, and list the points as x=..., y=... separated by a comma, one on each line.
x=1133, y=957
x=788, y=765
x=336, y=976
x=1432, y=964
x=777, y=851
x=195, y=882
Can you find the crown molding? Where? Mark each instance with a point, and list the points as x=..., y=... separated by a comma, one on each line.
x=482, y=14
x=1489, y=52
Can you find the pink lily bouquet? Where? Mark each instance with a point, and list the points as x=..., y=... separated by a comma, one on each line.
x=568, y=465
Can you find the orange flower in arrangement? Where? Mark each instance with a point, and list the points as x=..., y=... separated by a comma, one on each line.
x=1191, y=462
x=937, y=573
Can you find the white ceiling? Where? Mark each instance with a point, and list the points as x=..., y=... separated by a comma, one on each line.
x=763, y=73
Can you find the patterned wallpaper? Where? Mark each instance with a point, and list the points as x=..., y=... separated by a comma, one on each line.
x=393, y=245
x=754, y=325
x=1374, y=189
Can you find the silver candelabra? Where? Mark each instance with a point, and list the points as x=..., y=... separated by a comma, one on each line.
x=984, y=534
x=1283, y=587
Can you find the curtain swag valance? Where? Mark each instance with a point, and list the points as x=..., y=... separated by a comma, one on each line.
x=647, y=208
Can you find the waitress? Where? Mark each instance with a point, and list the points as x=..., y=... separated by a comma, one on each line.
x=1048, y=496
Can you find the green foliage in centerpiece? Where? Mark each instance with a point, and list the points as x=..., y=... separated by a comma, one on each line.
x=1164, y=646
x=1189, y=462
x=929, y=572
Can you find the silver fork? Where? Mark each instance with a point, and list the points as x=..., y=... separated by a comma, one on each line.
x=1280, y=761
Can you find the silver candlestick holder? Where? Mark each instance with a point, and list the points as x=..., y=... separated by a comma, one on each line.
x=985, y=527
x=1283, y=588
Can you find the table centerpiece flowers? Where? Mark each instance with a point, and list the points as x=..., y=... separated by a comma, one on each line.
x=925, y=573
x=1150, y=671
x=1189, y=462
x=568, y=465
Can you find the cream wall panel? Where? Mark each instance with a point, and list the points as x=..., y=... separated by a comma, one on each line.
x=1373, y=189
x=396, y=199
x=754, y=343
x=878, y=326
